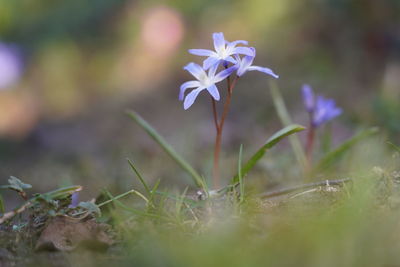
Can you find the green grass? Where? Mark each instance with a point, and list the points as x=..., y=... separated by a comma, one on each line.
x=356, y=224
x=353, y=224
x=319, y=228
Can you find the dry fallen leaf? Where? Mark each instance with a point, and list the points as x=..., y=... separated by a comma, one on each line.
x=65, y=234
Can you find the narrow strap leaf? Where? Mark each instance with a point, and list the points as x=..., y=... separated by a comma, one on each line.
x=278, y=136
x=286, y=120
x=2, y=208
x=146, y=187
x=167, y=147
x=337, y=153
x=397, y=148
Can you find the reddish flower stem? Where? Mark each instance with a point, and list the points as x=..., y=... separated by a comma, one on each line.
x=310, y=145
x=215, y=115
x=219, y=127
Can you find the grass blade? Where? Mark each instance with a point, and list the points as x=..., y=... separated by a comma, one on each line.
x=63, y=192
x=130, y=209
x=284, y=116
x=167, y=147
x=2, y=208
x=132, y=191
x=397, y=148
x=154, y=190
x=140, y=177
x=337, y=153
x=272, y=141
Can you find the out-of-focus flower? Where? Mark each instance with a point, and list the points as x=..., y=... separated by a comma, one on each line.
x=162, y=30
x=157, y=40
x=325, y=110
x=245, y=64
x=19, y=113
x=10, y=65
x=204, y=81
x=321, y=109
x=224, y=51
x=74, y=200
x=308, y=97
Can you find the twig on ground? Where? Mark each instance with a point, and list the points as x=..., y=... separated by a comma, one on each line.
x=8, y=215
x=285, y=191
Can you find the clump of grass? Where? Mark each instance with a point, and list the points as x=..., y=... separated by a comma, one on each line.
x=353, y=224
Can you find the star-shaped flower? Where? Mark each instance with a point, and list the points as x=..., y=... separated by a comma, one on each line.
x=320, y=108
x=245, y=64
x=204, y=81
x=224, y=51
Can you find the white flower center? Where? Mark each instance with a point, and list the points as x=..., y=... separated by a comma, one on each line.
x=224, y=53
x=205, y=80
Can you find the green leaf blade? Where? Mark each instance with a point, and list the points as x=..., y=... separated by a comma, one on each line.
x=333, y=156
x=396, y=148
x=271, y=142
x=2, y=206
x=146, y=187
x=166, y=147
x=286, y=120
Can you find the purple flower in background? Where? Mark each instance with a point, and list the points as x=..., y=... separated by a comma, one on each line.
x=204, y=81
x=325, y=110
x=224, y=51
x=321, y=109
x=245, y=64
x=10, y=65
x=74, y=200
x=308, y=97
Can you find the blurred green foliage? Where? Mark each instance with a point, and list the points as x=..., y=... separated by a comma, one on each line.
x=35, y=22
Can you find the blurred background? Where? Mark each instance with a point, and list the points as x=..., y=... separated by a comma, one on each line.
x=70, y=69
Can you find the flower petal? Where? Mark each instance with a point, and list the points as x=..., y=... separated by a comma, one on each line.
x=224, y=73
x=186, y=85
x=212, y=70
x=325, y=110
x=334, y=113
x=308, y=97
x=195, y=69
x=213, y=90
x=74, y=200
x=235, y=43
x=248, y=51
x=231, y=60
x=211, y=61
x=244, y=65
x=219, y=41
x=202, y=52
x=262, y=69
x=190, y=98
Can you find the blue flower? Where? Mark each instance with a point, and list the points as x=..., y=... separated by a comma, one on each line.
x=224, y=51
x=308, y=97
x=321, y=109
x=11, y=65
x=245, y=64
x=325, y=110
x=204, y=82
x=74, y=200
